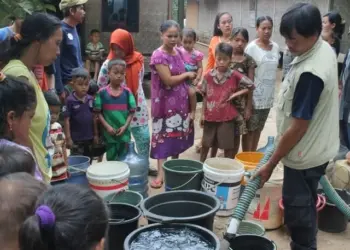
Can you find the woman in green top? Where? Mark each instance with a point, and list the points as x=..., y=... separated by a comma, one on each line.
x=39, y=43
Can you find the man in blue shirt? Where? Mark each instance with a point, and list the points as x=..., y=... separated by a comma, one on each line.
x=70, y=57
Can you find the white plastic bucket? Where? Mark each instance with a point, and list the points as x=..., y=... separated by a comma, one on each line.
x=222, y=178
x=108, y=177
x=264, y=207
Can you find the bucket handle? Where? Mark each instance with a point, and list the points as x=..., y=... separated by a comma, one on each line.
x=115, y=194
x=181, y=186
x=78, y=169
x=164, y=220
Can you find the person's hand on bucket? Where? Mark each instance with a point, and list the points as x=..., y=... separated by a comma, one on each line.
x=264, y=172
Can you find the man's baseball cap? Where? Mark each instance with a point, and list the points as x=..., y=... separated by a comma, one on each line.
x=64, y=4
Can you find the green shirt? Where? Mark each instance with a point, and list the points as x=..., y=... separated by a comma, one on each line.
x=115, y=110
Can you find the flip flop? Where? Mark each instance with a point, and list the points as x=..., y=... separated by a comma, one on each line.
x=155, y=184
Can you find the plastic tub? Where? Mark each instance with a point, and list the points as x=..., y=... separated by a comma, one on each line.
x=331, y=219
x=222, y=178
x=250, y=160
x=252, y=242
x=108, y=177
x=181, y=207
x=123, y=220
x=204, y=233
x=127, y=197
x=77, y=167
x=182, y=175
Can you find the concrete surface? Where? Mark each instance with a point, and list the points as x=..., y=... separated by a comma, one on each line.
x=326, y=241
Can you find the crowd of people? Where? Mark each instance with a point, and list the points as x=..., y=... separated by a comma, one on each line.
x=51, y=103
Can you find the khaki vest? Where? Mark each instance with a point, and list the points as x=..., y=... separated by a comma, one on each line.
x=321, y=141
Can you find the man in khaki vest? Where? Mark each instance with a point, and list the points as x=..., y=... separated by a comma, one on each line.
x=307, y=121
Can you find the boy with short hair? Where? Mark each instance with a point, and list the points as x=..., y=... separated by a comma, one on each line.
x=94, y=52
x=78, y=121
x=115, y=106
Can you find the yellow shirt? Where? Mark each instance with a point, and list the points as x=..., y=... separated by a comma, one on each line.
x=39, y=129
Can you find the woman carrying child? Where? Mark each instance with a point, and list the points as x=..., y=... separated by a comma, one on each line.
x=245, y=65
x=115, y=106
x=220, y=86
x=172, y=127
x=122, y=47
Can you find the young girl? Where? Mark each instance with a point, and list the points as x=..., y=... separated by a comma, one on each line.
x=246, y=65
x=18, y=195
x=328, y=36
x=18, y=103
x=193, y=63
x=66, y=217
x=115, y=105
x=266, y=55
x=220, y=87
x=59, y=159
x=172, y=131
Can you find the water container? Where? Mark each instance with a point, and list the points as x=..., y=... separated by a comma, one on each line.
x=138, y=165
x=270, y=142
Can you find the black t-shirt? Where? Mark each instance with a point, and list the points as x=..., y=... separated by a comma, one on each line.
x=306, y=96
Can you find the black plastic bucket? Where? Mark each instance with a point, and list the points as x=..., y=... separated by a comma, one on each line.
x=181, y=174
x=331, y=219
x=181, y=207
x=252, y=242
x=123, y=220
x=210, y=237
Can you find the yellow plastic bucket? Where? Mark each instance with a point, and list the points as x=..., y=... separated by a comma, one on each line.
x=250, y=160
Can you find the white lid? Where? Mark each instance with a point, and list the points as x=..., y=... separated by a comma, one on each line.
x=108, y=169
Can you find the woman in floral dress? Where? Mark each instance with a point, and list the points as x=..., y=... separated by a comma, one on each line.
x=122, y=47
x=172, y=128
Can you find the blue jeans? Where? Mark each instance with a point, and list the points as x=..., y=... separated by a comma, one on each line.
x=299, y=199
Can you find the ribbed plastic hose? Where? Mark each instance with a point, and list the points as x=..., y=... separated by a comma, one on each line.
x=333, y=196
x=249, y=194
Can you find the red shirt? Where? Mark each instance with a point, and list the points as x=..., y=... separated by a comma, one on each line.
x=217, y=92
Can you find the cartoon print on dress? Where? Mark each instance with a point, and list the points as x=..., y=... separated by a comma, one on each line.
x=173, y=124
x=157, y=127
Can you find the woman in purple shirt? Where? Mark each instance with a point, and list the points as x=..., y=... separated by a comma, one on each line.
x=172, y=127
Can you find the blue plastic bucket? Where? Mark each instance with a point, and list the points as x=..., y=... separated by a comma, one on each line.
x=77, y=167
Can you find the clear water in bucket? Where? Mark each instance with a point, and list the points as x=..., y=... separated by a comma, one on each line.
x=170, y=239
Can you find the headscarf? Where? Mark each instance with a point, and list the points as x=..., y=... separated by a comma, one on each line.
x=133, y=58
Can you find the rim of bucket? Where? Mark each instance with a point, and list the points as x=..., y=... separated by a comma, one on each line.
x=206, y=165
x=159, y=218
x=247, y=153
x=182, y=172
x=126, y=221
x=255, y=236
x=120, y=168
x=78, y=156
x=137, y=232
x=329, y=203
x=116, y=194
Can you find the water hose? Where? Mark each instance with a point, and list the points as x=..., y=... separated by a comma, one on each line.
x=334, y=197
x=244, y=203
x=249, y=194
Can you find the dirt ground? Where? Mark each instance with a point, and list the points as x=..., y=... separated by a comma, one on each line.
x=326, y=241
